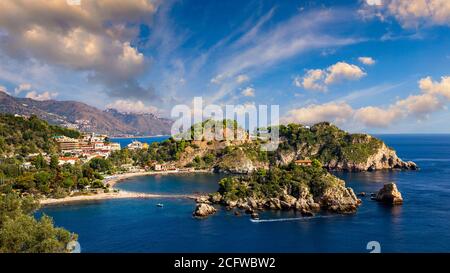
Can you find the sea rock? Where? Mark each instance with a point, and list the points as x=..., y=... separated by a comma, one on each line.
x=389, y=194
x=289, y=199
x=216, y=197
x=255, y=215
x=273, y=203
x=203, y=210
x=252, y=203
x=340, y=199
x=202, y=199
x=361, y=194
x=285, y=205
x=231, y=203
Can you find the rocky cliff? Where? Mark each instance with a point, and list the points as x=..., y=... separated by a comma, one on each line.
x=304, y=189
x=337, y=149
x=334, y=148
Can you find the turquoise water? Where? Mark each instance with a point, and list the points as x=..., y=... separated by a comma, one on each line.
x=126, y=140
x=420, y=225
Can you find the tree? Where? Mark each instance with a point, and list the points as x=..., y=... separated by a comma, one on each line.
x=100, y=164
x=39, y=162
x=54, y=162
x=42, y=180
x=21, y=232
x=82, y=183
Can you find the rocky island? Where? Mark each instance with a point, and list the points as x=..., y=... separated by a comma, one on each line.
x=307, y=189
x=336, y=149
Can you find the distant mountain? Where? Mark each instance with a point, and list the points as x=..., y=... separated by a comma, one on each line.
x=86, y=118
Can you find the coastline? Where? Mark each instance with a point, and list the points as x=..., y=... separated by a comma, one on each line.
x=108, y=196
x=113, y=180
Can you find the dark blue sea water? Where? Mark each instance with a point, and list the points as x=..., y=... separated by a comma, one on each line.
x=127, y=140
x=421, y=224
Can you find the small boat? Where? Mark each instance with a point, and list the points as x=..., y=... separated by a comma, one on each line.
x=159, y=205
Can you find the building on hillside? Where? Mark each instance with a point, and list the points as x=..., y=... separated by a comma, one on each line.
x=303, y=162
x=135, y=145
x=115, y=146
x=67, y=144
x=68, y=160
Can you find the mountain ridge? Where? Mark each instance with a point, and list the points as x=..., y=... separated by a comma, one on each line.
x=86, y=118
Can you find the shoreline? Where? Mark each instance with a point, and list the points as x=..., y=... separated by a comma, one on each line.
x=113, y=180
x=109, y=196
x=135, y=137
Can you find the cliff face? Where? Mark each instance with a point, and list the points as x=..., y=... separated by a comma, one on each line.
x=338, y=150
x=307, y=190
x=384, y=158
x=334, y=148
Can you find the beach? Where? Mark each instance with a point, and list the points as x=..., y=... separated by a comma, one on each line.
x=112, y=194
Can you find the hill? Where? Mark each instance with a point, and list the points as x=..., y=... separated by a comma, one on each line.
x=86, y=118
x=333, y=147
x=27, y=136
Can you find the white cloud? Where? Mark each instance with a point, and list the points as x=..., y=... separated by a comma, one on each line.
x=218, y=79
x=343, y=71
x=374, y=2
x=437, y=88
x=22, y=87
x=319, y=79
x=411, y=13
x=4, y=89
x=337, y=112
x=432, y=99
x=420, y=105
x=41, y=96
x=377, y=117
x=248, y=92
x=281, y=41
x=94, y=37
x=130, y=106
x=313, y=80
x=366, y=60
x=242, y=78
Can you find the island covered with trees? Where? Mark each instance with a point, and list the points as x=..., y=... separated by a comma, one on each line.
x=294, y=176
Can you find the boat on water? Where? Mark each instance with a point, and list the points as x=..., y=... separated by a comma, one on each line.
x=159, y=205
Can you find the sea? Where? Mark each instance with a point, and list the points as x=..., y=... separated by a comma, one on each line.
x=421, y=224
x=124, y=141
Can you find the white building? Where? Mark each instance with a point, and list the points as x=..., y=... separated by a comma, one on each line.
x=135, y=145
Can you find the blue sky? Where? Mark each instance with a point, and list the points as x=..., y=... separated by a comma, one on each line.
x=367, y=65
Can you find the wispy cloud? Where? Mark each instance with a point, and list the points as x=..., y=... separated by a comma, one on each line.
x=299, y=34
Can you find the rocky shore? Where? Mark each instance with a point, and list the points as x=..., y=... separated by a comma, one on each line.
x=324, y=192
x=383, y=159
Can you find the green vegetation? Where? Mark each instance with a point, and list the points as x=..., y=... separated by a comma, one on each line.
x=26, y=136
x=20, y=232
x=272, y=183
x=329, y=142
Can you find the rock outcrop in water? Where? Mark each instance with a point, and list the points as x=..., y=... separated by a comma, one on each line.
x=389, y=194
x=307, y=190
x=203, y=210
